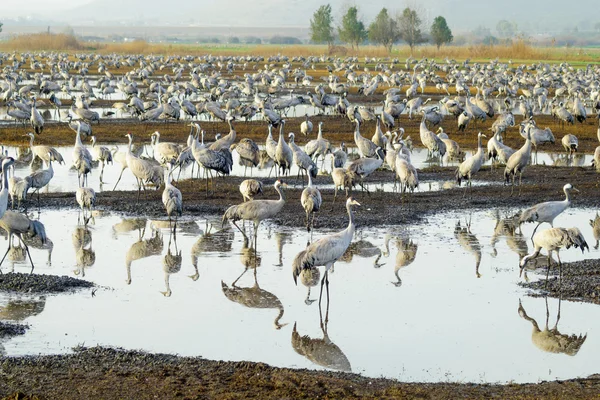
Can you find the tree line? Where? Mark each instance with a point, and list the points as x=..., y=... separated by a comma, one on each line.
x=385, y=30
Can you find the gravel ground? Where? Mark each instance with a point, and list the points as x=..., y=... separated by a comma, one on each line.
x=34, y=283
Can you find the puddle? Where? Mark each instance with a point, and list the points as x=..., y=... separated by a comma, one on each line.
x=416, y=312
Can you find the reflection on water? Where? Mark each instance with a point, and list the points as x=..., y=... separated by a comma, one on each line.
x=19, y=308
x=551, y=340
x=407, y=252
x=321, y=351
x=469, y=242
x=236, y=296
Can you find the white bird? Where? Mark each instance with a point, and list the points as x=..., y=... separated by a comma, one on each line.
x=378, y=137
x=340, y=157
x=406, y=173
x=18, y=224
x=549, y=210
x=311, y=200
x=366, y=148
x=517, y=162
x=363, y=167
x=471, y=165
x=554, y=239
x=226, y=141
x=342, y=178
x=86, y=198
x=164, y=152
x=306, y=127
x=319, y=146
x=39, y=179
x=44, y=153
x=250, y=188
x=256, y=210
x=6, y=164
x=82, y=159
x=171, y=198
x=301, y=159
x=283, y=153
x=570, y=143
x=37, y=122
x=326, y=251
x=101, y=154
x=142, y=170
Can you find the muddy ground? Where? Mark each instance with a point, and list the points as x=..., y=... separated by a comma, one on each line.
x=110, y=373
x=105, y=373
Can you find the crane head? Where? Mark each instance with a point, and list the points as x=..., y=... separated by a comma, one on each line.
x=352, y=202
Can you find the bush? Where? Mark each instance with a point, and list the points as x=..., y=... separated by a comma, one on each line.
x=284, y=40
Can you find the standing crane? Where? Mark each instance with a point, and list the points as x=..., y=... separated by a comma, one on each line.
x=6, y=164
x=82, y=159
x=311, y=200
x=554, y=239
x=142, y=170
x=471, y=165
x=86, y=198
x=547, y=211
x=306, y=127
x=171, y=198
x=517, y=162
x=17, y=224
x=37, y=121
x=366, y=148
x=102, y=155
x=283, y=153
x=39, y=179
x=326, y=251
x=256, y=210
x=363, y=167
x=44, y=153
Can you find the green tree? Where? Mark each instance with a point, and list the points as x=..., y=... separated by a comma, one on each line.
x=440, y=33
x=506, y=29
x=384, y=30
x=410, y=28
x=352, y=30
x=321, y=26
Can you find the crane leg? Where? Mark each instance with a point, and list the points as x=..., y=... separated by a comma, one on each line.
x=118, y=180
x=7, y=250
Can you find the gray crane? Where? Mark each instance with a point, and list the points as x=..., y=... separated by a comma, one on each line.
x=250, y=188
x=366, y=147
x=311, y=200
x=6, y=164
x=82, y=159
x=211, y=160
x=101, y=154
x=143, y=170
x=164, y=152
x=44, y=153
x=471, y=165
x=306, y=127
x=549, y=210
x=256, y=210
x=249, y=153
x=37, y=122
x=554, y=239
x=283, y=153
x=39, y=179
x=517, y=162
x=326, y=251
x=363, y=167
x=17, y=224
x=86, y=198
x=226, y=141
x=172, y=199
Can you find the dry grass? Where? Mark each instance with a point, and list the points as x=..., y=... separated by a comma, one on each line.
x=519, y=50
x=42, y=41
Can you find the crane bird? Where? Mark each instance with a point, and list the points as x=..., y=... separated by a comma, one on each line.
x=250, y=188
x=283, y=153
x=211, y=160
x=82, y=159
x=326, y=251
x=256, y=210
x=102, y=155
x=44, y=153
x=306, y=127
x=39, y=179
x=37, y=121
x=249, y=153
x=18, y=224
x=142, y=170
x=164, y=152
x=86, y=198
x=570, y=143
x=6, y=164
x=554, y=239
x=226, y=141
x=366, y=148
x=363, y=167
x=547, y=211
x=517, y=162
x=471, y=165
x=171, y=198
x=318, y=147
x=342, y=178
x=311, y=200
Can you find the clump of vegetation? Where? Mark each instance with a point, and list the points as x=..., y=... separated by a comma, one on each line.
x=43, y=41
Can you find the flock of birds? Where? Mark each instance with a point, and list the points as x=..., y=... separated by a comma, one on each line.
x=186, y=87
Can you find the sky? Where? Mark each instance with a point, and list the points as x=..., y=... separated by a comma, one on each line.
x=15, y=8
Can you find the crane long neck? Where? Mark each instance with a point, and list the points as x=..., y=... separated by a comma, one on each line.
x=567, y=195
x=281, y=194
x=310, y=181
x=320, y=134
x=350, y=218
x=31, y=140
x=5, y=177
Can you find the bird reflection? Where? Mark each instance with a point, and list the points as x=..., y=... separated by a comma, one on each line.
x=220, y=241
x=254, y=297
x=85, y=257
x=36, y=243
x=595, y=224
x=469, y=242
x=281, y=238
x=320, y=351
x=16, y=254
x=364, y=249
x=551, y=340
x=509, y=228
x=171, y=265
x=407, y=252
x=129, y=225
x=186, y=227
x=19, y=309
x=310, y=277
x=143, y=248
x=566, y=160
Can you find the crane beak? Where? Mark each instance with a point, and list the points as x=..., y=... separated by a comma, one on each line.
x=576, y=190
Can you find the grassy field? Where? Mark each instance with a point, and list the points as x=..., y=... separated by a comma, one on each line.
x=519, y=51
